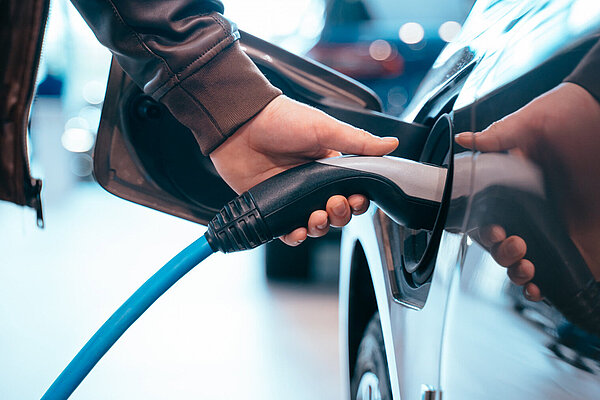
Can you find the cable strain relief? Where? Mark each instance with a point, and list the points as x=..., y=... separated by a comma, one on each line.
x=238, y=226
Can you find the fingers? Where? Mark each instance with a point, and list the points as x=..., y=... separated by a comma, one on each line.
x=509, y=251
x=339, y=136
x=319, y=221
x=318, y=224
x=338, y=210
x=504, y=134
x=466, y=139
x=496, y=137
x=358, y=204
x=490, y=235
x=532, y=292
x=521, y=272
x=295, y=237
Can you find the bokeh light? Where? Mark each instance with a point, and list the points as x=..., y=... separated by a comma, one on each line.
x=77, y=140
x=449, y=30
x=380, y=50
x=411, y=33
x=93, y=92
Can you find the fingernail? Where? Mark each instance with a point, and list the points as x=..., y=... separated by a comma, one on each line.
x=357, y=210
x=322, y=226
x=463, y=135
x=390, y=139
x=339, y=209
x=527, y=294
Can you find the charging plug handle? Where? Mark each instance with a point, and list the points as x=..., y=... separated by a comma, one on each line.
x=406, y=190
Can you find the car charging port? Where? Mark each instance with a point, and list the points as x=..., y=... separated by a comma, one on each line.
x=419, y=247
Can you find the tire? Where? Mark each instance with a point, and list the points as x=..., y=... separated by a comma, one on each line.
x=371, y=379
x=285, y=263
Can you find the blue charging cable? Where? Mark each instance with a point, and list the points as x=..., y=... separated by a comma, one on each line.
x=268, y=210
x=125, y=316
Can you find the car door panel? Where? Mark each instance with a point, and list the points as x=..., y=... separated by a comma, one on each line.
x=497, y=344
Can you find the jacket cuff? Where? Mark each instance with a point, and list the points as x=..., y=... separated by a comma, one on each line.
x=587, y=73
x=220, y=97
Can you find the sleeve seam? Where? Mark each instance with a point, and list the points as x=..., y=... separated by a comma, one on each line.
x=179, y=78
x=140, y=41
x=225, y=39
x=199, y=104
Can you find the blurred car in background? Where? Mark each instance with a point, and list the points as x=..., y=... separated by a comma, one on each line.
x=388, y=45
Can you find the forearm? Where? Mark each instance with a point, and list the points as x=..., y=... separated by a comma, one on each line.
x=183, y=53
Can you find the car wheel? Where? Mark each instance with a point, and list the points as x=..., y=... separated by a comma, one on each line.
x=371, y=379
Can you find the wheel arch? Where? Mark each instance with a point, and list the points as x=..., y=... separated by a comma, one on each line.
x=362, y=303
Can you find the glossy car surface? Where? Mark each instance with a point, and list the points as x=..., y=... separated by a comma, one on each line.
x=451, y=320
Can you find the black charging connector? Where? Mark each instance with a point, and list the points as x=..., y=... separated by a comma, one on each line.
x=238, y=226
x=409, y=192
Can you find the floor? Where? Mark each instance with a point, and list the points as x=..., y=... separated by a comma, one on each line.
x=222, y=332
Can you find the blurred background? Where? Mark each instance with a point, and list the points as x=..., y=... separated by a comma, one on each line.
x=225, y=331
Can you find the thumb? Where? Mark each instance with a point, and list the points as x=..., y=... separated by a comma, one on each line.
x=505, y=134
x=336, y=135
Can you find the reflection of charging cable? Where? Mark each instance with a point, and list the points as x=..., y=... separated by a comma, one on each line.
x=409, y=192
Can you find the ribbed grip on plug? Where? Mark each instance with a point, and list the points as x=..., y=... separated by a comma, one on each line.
x=238, y=226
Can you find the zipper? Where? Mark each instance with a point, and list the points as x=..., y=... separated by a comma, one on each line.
x=35, y=196
x=34, y=190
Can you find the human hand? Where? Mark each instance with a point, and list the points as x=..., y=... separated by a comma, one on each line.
x=509, y=252
x=558, y=131
x=286, y=134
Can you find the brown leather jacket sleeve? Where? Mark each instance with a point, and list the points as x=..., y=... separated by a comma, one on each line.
x=587, y=73
x=185, y=54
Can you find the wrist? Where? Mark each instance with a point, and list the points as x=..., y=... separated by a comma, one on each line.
x=254, y=126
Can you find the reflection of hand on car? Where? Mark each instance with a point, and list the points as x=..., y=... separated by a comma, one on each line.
x=560, y=131
x=509, y=252
x=286, y=134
